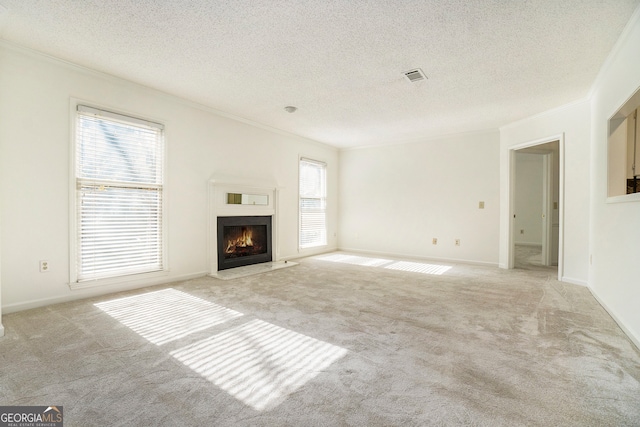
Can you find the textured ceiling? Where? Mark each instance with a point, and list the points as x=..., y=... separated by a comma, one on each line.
x=488, y=62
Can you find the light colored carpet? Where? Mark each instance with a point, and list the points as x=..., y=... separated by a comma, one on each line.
x=528, y=255
x=338, y=340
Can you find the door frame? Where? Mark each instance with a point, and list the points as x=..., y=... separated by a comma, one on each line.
x=547, y=206
x=511, y=178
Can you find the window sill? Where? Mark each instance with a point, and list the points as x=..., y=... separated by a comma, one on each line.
x=140, y=278
x=308, y=248
x=625, y=198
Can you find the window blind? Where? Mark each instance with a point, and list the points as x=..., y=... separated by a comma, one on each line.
x=313, y=201
x=119, y=195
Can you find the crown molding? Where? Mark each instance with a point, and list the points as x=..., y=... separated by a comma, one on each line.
x=154, y=91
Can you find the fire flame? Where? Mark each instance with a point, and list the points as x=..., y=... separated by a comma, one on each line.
x=241, y=242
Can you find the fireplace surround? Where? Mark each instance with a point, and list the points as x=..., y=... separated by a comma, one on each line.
x=234, y=200
x=243, y=240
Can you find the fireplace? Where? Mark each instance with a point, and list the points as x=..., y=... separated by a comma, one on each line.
x=243, y=240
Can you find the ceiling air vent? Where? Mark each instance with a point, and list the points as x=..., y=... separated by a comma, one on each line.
x=415, y=75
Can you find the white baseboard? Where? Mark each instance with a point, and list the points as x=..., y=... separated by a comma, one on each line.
x=575, y=281
x=95, y=291
x=1, y=330
x=303, y=253
x=634, y=339
x=421, y=258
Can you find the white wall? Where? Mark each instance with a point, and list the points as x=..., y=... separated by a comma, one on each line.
x=571, y=121
x=615, y=227
x=35, y=138
x=395, y=199
x=528, y=201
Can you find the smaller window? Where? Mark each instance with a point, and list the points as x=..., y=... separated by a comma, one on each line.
x=313, y=203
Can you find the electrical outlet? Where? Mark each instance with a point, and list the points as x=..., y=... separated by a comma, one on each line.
x=457, y=242
x=435, y=241
x=44, y=266
x=481, y=205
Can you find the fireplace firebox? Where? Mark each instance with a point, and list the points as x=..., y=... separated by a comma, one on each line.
x=243, y=240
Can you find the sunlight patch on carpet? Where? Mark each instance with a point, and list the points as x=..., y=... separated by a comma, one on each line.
x=413, y=267
x=166, y=315
x=259, y=363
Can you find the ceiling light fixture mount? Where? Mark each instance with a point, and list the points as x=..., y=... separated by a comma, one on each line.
x=290, y=109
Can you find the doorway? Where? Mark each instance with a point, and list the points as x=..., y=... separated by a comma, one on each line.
x=536, y=221
x=535, y=201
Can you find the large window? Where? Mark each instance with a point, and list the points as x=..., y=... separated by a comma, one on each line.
x=313, y=203
x=119, y=195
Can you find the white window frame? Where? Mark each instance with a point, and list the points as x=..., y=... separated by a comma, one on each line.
x=323, y=203
x=138, y=277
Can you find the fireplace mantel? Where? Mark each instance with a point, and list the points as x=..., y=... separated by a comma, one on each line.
x=219, y=188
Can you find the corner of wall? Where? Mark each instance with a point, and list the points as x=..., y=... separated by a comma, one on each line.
x=635, y=338
x=615, y=51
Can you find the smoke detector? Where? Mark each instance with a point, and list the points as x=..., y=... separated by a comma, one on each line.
x=415, y=75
